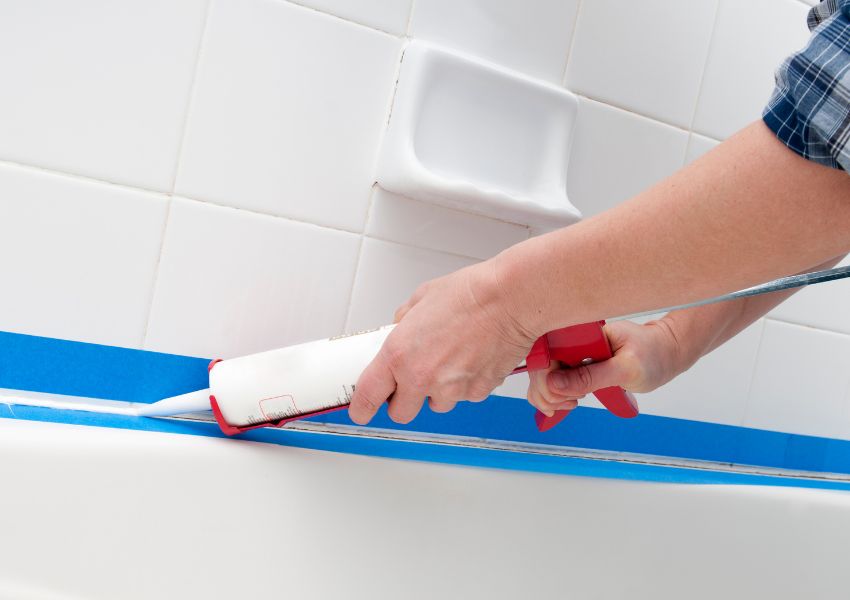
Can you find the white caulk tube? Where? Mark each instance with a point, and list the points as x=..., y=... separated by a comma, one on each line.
x=281, y=384
x=294, y=381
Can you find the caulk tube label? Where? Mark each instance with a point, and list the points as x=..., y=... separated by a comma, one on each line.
x=293, y=381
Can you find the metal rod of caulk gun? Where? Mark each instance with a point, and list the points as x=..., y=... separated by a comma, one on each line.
x=777, y=285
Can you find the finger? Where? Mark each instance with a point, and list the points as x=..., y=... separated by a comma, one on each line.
x=406, y=403
x=551, y=398
x=587, y=378
x=373, y=387
x=439, y=405
x=411, y=302
x=536, y=399
x=401, y=311
x=560, y=403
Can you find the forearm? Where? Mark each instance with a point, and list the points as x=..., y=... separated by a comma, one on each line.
x=749, y=211
x=700, y=330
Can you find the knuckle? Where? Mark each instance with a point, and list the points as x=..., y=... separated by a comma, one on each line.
x=421, y=289
x=420, y=379
x=450, y=392
x=366, y=401
x=478, y=392
x=585, y=378
x=394, y=354
x=633, y=371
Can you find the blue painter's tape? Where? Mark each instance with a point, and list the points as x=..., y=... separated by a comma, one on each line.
x=510, y=419
x=77, y=369
x=428, y=452
x=80, y=369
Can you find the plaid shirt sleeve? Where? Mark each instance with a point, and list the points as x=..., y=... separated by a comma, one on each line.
x=810, y=107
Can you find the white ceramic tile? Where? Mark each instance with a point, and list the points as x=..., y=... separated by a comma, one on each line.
x=697, y=146
x=739, y=73
x=387, y=15
x=530, y=37
x=77, y=258
x=801, y=380
x=399, y=219
x=715, y=388
x=825, y=306
x=646, y=56
x=288, y=112
x=232, y=282
x=504, y=158
x=617, y=154
x=388, y=274
x=98, y=88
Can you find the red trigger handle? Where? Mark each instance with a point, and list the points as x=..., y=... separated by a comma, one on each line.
x=574, y=346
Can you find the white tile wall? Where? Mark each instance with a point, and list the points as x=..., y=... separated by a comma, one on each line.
x=617, y=154
x=646, y=56
x=716, y=388
x=386, y=15
x=233, y=282
x=801, y=382
x=398, y=219
x=388, y=274
x=279, y=108
x=284, y=122
x=77, y=257
x=738, y=77
x=534, y=38
x=98, y=88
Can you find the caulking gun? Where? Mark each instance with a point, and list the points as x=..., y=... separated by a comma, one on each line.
x=278, y=386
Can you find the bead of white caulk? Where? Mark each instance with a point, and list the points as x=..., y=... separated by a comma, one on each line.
x=196, y=401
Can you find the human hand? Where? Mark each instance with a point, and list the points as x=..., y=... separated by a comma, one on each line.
x=645, y=358
x=457, y=339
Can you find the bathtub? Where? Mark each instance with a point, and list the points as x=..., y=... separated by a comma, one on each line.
x=94, y=512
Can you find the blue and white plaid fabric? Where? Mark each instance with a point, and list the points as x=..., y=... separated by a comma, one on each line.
x=810, y=107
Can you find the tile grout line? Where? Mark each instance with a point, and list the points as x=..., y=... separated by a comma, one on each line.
x=386, y=240
x=785, y=321
x=634, y=113
x=340, y=18
x=180, y=152
x=168, y=196
x=410, y=19
x=372, y=191
x=157, y=268
x=190, y=101
x=81, y=178
x=748, y=396
x=572, y=45
x=358, y=259
x=711, y=44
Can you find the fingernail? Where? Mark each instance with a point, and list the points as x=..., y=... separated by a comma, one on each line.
x=559, y=380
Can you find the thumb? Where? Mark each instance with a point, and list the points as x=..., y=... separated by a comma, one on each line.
x=587, y=378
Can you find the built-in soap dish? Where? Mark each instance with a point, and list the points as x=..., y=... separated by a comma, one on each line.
x=474, y=136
